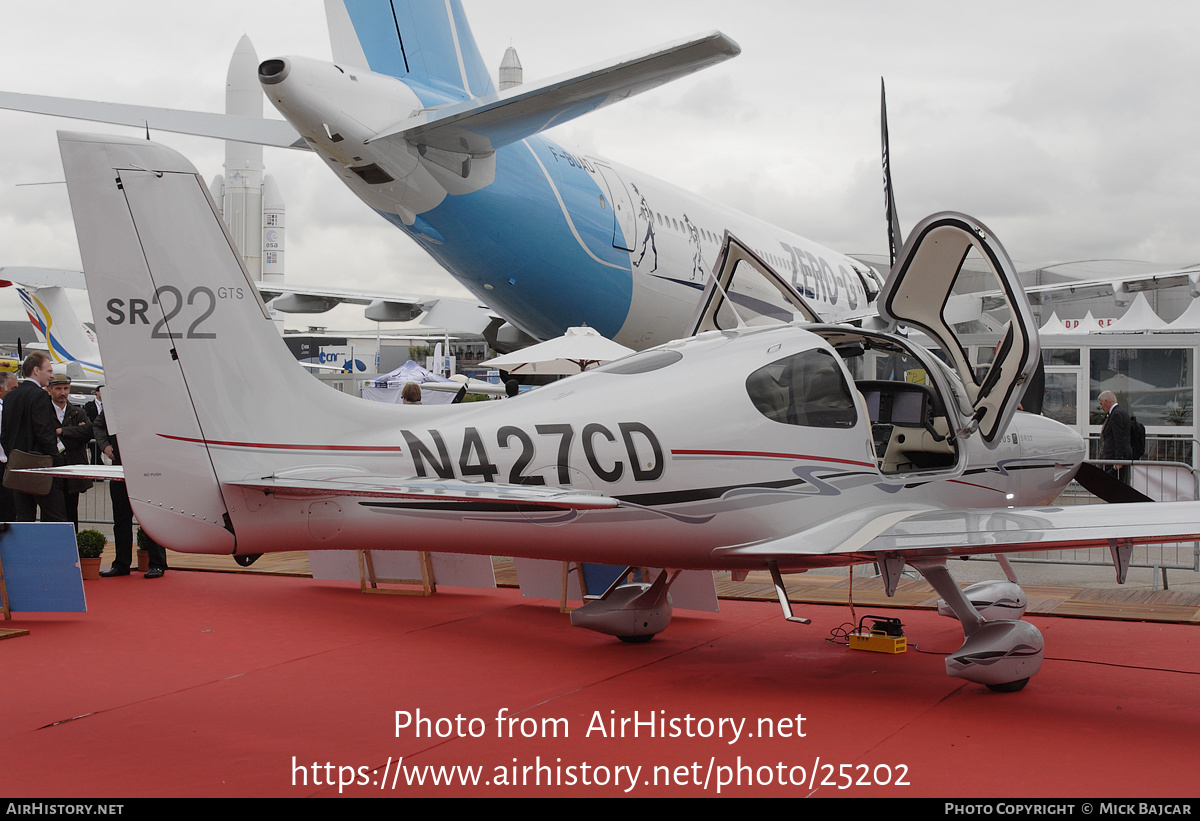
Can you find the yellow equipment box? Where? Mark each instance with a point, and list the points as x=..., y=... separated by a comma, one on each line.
x=885, y=635
x=878, y=642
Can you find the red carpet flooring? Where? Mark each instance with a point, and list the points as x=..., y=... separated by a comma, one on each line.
x=207, y=684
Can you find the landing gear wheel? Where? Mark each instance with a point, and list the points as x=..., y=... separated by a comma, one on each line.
x=636, y=639
x=246, y=560
x=1009, y=686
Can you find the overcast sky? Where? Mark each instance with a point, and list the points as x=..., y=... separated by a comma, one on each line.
x=1070, y=128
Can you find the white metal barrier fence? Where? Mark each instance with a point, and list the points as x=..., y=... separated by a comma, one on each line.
x=1162, y=482
x=95, y=509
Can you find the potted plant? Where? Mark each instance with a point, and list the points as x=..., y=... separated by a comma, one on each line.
x=90, y=544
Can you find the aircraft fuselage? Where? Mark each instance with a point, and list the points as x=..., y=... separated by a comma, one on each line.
x=728, y=466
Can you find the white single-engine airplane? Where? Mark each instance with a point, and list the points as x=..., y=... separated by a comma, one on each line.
x=751, y=445
x=409, y=120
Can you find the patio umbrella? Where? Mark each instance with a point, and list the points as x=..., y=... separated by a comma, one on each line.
x=576, y=350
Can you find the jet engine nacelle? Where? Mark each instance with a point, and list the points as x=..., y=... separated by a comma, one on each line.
x=341, y=113
x=627, y=613
x=993, y=599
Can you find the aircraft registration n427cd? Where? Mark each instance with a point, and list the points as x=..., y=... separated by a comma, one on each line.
x=752, y=444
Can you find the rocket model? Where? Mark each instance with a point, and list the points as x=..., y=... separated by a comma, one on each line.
x=249, y=203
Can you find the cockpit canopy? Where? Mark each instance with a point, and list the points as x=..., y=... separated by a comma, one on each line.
x=745, y=291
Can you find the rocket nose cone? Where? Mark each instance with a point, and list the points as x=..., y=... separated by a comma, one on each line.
x=244, y=45
x=273, y=71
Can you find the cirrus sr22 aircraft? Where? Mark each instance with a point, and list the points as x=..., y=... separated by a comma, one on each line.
x=753, y=444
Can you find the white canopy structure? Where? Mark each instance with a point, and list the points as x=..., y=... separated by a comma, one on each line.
x=1189, y=320
x=1082, y=326
x=387, y=388
x=1053, y=325
x=576, y=350
x=1138, y=318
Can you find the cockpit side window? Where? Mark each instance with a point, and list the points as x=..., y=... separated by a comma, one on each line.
x=805, y=389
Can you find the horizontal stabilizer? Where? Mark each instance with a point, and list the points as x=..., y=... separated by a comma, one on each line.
x=416, y=490
x=112, y=473
x=482, y=125
x=254, y=130
x=473, y=386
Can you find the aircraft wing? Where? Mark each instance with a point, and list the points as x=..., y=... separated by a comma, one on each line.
x=440, y=492
x=1115, y=285
x=486, y=123
x=939, y=533
x=254, y=130
x=274, y=290
x=1126, y=278
x=461, y=315
x=41, y=277
x=458, y=314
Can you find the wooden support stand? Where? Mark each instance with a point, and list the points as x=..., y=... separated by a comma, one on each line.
x=635, y=575
x=7, y=632
x=366, y=576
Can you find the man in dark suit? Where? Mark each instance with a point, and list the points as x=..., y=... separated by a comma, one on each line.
x=30, y=424
x=8, y=512
x=92, y=408
x=75, y=433
x=1115, y=435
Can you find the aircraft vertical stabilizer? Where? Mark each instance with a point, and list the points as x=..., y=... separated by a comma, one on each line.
x=428, y=43
x=59, y=328
x=173, y=491
x=200, y=386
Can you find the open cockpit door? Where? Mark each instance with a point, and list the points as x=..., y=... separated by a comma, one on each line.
x=922, y=283
x=745, y=290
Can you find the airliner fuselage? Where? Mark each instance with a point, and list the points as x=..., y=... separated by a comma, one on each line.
x=548, y=237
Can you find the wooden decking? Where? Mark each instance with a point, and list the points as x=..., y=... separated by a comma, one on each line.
x=1081, y=602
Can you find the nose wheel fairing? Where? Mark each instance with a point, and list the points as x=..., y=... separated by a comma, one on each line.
x=1002, y=654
